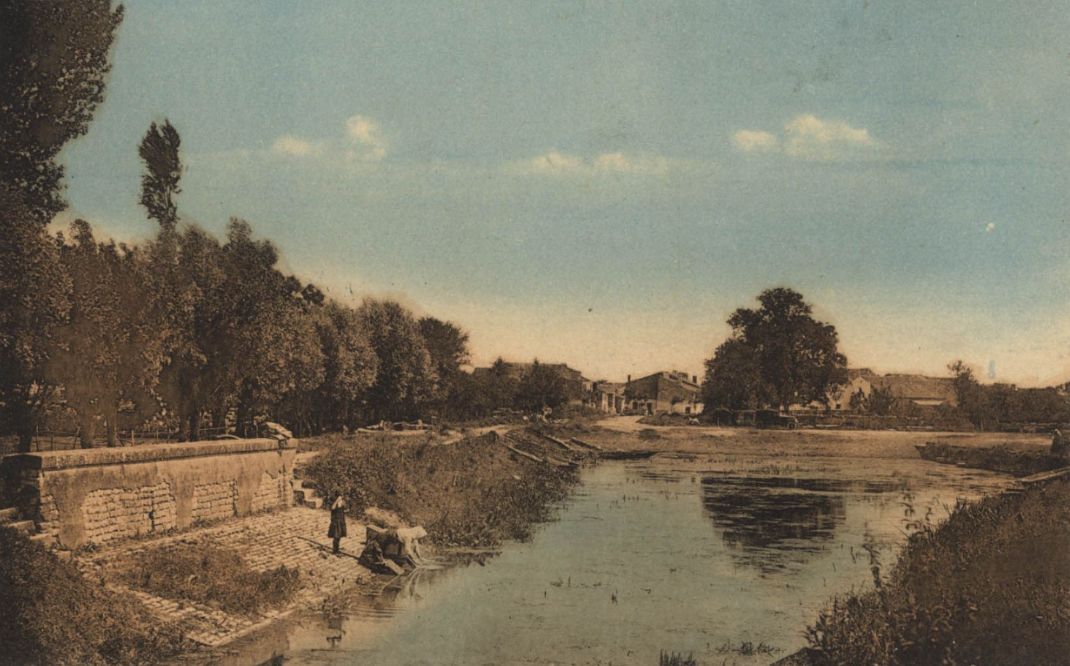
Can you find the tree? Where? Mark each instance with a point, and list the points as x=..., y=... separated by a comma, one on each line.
x=187, y=281
x=104, y=355
x=405, y=378
x=541, y=387
x=733, y=379
x=968, y=393
x=32, y=304
x=494, y=389
x=163, y=171
x=448, y=346
x=349, y=368
x=53, y=66
x=53, y=70
x=881, y=401
x=780, y=352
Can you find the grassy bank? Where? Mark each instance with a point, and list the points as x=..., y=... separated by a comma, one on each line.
x=472, y=493
x=989, y=586
x=1000, y=458
x=210, y=575
x=53, y=615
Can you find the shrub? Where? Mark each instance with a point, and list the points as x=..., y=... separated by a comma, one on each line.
x=53, y=615
x=989, y=586
x=470, y=493
x=207, y=574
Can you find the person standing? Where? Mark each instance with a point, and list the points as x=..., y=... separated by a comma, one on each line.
x=337, y=530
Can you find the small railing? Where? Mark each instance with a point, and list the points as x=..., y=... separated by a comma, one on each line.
x=58, y=440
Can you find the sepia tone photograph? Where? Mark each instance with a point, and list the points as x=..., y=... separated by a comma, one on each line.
x=662, y=332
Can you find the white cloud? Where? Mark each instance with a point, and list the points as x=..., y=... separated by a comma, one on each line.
x=292, y=146
x=808, y=137
x=755, y=141
x=563, y=164
x=368, y=138
x=990, y=227
x=364, y=143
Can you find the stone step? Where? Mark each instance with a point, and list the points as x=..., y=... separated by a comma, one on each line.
x=24, y=526
x=45, y=539
x=308, y=498
x=8, y=515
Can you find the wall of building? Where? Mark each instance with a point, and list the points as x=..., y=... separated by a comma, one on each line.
x=97, y=496
x=663, y=392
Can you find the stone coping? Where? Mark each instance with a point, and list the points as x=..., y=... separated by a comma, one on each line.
x=141, y=453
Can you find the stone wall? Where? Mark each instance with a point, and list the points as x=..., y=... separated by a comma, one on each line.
x=96, y=496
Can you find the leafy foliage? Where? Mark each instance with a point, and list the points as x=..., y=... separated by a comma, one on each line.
x=777, y=355
x=163, y=171
x=989, y=586
x=33, y=304
x=988, y=405
x=471, y=493
x=53, y=70
x=104, y=353
x=53, y=615
x=541, y=387
x=406, y=377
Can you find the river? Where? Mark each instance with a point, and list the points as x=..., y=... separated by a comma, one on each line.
x=725, y=557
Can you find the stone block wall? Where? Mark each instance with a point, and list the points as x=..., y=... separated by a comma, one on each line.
x=273, y=491
x=214, y=501
x=103, y=495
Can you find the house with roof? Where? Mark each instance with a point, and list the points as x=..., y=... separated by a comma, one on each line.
x=859, y=383
x=918, y=390
x=607, y=397
x=666, y=392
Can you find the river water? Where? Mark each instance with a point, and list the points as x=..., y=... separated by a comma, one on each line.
x=693, y=554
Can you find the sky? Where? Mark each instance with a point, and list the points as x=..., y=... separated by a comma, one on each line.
x=603, y=183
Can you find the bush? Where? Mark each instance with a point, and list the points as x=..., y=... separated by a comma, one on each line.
x=989, y=586
x=470, y=493
x=53, y=615
x=207, y=574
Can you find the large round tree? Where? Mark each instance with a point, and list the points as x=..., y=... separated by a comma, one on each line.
x=778, y=355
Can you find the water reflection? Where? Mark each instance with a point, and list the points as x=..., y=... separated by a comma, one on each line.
x=631, y=565
x=773, y=523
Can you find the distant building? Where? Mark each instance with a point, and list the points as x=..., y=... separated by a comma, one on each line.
x=918, y=390
x=607, y=397
x=859, y=382
x=668, y=392
x=921, y=390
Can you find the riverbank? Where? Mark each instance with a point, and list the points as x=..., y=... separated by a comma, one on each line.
x=472, y=493
x=999, y=458
x=988, y=586
x=626, y=433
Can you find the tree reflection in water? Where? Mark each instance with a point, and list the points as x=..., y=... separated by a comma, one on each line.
x=774, y=524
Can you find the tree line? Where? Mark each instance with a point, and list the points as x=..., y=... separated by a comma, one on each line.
x=779, y=355
x=185, y=329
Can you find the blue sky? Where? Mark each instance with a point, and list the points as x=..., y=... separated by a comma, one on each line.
x=603, y=183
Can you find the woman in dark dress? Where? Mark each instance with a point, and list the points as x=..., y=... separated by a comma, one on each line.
x=337, y=529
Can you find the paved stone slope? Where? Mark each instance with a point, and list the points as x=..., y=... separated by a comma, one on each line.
x=295, y=538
